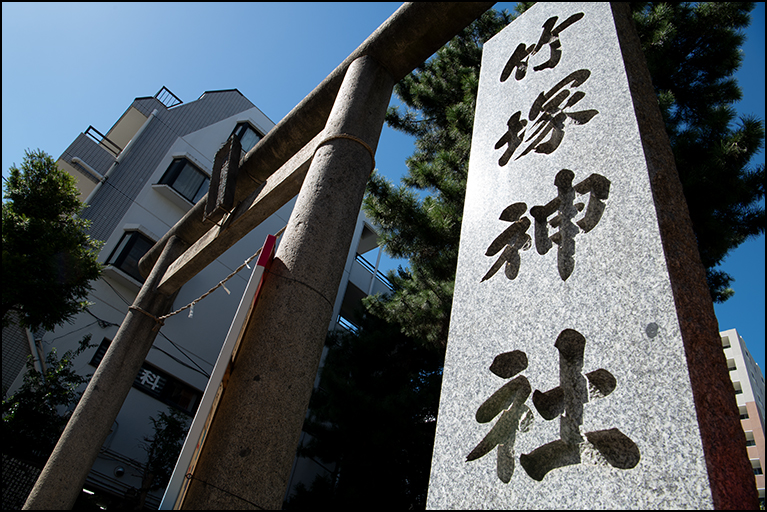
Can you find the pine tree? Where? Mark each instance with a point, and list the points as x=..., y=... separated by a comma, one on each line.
x=372, y=421
x=692, y=52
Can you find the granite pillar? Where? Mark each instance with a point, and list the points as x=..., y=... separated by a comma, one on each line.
x=584, y=367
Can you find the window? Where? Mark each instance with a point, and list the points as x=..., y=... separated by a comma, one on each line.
x=725, y=342
x=158, y=384
x=186, y=179
x=743, y=412
x=133, y=245
x=247, y=135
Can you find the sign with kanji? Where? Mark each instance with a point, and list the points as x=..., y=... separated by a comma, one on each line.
x=566, y=380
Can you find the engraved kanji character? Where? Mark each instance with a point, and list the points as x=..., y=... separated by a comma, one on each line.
x=549, y=36
x=550, y=113
x=564, y=204
x=566, y=402
x=516, y=416
x=512, y=240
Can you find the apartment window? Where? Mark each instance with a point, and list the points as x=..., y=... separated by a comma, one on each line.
x=186, y=179
x=247, y=135
x=133, y=245
x=743, y=413
x=750, y=441
x=158, y=384
x=725, y=342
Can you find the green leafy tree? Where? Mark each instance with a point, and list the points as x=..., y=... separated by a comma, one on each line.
x=35, y=416
x=162, y=450
x=692, y=52
x=48, y=257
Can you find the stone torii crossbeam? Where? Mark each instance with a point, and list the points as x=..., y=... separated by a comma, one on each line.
x=322, y=150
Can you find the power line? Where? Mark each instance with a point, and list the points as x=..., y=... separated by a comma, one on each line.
x=200, y=370
x=182, y=363
x=105, y=322
x=70, y=332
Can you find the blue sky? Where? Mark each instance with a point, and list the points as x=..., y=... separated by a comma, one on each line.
x=70, y=65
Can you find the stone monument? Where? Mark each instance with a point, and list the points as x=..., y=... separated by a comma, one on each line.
x=584, y=367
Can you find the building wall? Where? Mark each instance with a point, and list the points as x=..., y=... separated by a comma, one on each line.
x=15, y=352
x=748, y=382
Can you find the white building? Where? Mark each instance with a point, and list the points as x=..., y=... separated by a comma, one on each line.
x=139, y=179
x=748, y=381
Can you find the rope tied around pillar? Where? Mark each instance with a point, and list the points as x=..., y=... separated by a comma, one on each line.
x=350, y=137
x=159, y=322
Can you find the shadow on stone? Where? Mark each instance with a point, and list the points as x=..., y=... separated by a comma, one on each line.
x=619, y=451
x=550, y=456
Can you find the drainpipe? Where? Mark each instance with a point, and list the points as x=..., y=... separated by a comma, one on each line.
x=119, y=157
x=138, y=134
x=36, y=353
x=88, y=168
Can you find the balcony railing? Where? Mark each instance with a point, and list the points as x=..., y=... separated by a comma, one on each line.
x=372, y=269
x=103, y=141
x=167, y=98
x=346, y=324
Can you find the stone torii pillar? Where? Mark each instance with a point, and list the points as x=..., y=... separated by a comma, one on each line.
x=248, y=452
x=67, y=468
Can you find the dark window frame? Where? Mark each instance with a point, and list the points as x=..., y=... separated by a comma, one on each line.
x=124, y=257
x=241, y=128
x=181, y=166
